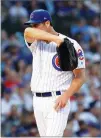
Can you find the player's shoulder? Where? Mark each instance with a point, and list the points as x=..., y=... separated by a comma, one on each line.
x=76, y=44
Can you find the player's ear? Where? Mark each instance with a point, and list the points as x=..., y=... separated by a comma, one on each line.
x=47, y=24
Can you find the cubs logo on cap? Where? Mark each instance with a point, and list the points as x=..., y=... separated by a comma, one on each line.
x=55, y=63
x=80, y=54
x=31, y=16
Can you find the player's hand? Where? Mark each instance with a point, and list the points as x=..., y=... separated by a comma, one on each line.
x=59, y=41
x=61, y=101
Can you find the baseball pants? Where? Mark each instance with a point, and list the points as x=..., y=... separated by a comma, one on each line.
x=49, y=122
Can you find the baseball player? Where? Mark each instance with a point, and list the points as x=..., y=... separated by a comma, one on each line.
x=51, y=86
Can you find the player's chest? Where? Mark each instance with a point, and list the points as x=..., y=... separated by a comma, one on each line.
x=46, y=51
x=47, y=57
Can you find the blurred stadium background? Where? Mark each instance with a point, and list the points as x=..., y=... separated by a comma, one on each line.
x=79, y=19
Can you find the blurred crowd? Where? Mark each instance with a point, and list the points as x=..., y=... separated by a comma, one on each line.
x=77, y=19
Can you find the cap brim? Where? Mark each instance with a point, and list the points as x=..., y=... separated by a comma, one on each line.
x=32, y=22
x=29, y=22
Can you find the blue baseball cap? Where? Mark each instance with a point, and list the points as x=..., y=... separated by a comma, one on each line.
x=8, y=91
x=39, y=16
x=21, y=85
x=94, y=125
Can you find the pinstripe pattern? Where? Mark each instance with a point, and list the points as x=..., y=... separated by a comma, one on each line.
x=50, y=122
x=57, y=126
x=44, y=76
x=40, y=120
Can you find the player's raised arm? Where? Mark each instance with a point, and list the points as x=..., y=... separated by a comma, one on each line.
x=31, y=34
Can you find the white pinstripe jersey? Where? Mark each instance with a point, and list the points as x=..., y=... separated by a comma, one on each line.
x=47, y=75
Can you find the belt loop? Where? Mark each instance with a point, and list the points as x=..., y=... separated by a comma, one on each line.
x=34, y=94
x=53, y=94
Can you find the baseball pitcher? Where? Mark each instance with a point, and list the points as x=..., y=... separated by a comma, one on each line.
x=58, y=72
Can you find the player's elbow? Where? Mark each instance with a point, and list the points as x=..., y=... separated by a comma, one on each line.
x=27, y=35
x=27, y=32
x=80, y=74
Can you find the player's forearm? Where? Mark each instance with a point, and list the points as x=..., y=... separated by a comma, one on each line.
x=34, y=33
x=75, y=86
